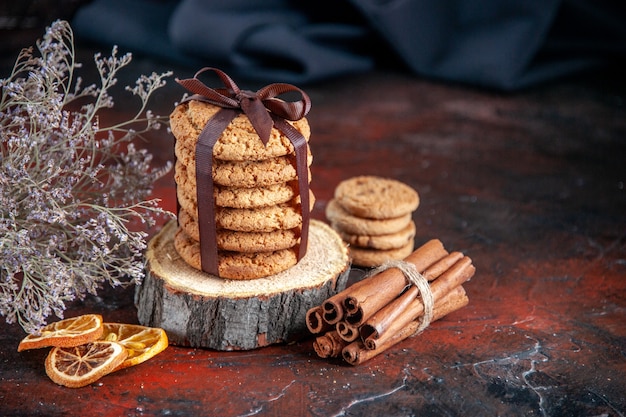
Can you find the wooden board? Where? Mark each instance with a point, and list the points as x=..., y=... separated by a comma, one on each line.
x=201, y=310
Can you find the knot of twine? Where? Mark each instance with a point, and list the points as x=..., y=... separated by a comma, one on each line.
x=414, y=277
x=256, y=105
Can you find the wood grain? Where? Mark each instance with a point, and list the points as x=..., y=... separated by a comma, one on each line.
x=200, y=310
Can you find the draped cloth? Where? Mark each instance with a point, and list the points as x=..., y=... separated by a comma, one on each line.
x=490, y=43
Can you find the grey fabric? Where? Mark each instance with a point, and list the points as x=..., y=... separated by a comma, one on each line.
x=500, y=44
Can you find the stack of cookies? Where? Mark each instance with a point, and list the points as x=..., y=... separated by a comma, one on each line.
x=257, y=205
x=373, y=215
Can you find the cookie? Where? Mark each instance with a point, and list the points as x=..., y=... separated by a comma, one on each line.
x=374, y=257
x=239, y=141
x=340, y=219
x=231, y=240
x=236, y=197
x=375, y=197
x=254, y=197
x=236, y=265
x=381, y=242
x=243, y=173
x=263, y=219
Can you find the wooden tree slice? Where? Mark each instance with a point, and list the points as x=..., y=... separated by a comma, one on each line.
x=201, y=310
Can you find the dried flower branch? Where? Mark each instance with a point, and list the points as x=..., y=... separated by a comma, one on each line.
x=71, y=191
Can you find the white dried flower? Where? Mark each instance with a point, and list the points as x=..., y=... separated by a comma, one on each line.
x=71, y=191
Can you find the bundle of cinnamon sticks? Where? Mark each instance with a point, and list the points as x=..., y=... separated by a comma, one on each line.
x=385, y=308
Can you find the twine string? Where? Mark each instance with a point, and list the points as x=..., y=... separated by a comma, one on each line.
x=414, y=277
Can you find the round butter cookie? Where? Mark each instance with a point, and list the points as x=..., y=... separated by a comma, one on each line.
x=236, y=265
x=232, y=240
x=236, y=197
x=243, y=173
x=376, y=197
x=239, y=141
x=375, y=257
x=282, y=216
x=341, y=220
x=382, y=242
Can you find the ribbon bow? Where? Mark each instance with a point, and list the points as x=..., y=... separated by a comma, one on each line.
x=255, y=105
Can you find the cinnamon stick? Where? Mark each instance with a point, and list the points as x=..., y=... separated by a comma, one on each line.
x=347, y=332
x=435, y=270
x=378, y=290
x=455, y=276
x=332, y=308
x=389, y=313
x=356, y=352
x=375, y=332
x=329, y=345
x=315, y=321
x=454, y=300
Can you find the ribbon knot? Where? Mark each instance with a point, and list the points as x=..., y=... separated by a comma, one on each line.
x=247, y=94
x=257, y=106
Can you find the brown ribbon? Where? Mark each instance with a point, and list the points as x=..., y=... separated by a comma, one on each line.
x=264, y=110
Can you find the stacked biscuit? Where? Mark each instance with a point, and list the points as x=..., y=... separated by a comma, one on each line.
x=257, y=205
x=373, y=215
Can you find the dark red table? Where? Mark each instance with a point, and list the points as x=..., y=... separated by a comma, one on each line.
x=531, y=186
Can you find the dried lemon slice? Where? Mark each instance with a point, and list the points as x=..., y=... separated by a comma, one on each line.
x=73, y=331
x=77, y=366
x=141, y=342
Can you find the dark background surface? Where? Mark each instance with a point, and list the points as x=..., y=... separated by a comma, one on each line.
x=530, y=185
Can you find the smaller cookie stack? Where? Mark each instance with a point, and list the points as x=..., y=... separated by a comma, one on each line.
x=257, y=201
x=373, y=215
